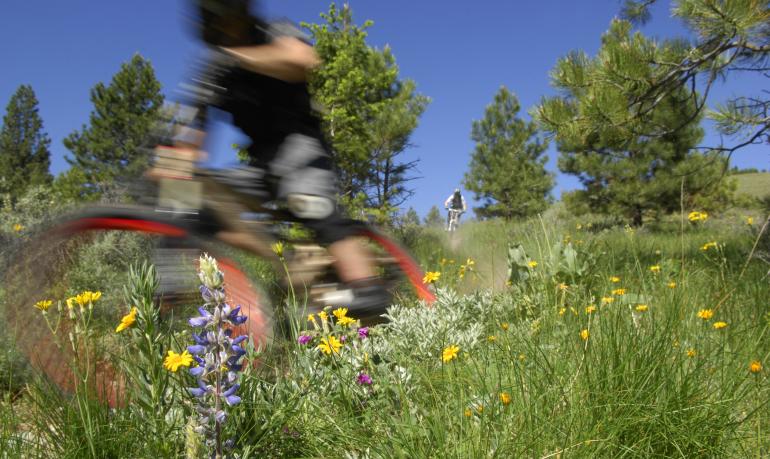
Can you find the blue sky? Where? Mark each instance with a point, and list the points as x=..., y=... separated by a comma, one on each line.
x=458, y=52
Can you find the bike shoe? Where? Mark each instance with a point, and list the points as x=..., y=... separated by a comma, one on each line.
x=365, y=299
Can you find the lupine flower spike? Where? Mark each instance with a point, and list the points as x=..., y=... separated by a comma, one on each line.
x=217, y=353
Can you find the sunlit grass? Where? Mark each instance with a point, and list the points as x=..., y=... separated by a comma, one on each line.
x=656, y=349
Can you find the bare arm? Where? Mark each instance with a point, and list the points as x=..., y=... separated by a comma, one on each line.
x=285, y=58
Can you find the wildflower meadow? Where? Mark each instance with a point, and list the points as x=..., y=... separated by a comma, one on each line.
x=552, y=337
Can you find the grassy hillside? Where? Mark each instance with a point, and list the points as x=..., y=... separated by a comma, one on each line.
x=755, y=184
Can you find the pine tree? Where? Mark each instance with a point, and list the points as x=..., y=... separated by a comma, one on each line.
x=368, y=112
x=729, y=39
x=507, y=170
x=124, y=114
x=433, y=219
x=638, y=168
x=24, y=154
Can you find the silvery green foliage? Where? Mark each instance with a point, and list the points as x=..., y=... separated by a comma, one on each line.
x=422, y=332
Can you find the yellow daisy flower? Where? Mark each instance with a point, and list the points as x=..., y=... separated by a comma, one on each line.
x=450, y=353
x=330, y=345
x=173, y=360
x=127, y=321
x=43, y=305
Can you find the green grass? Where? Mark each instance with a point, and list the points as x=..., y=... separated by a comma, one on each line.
x=756, y=184
x=660, y=382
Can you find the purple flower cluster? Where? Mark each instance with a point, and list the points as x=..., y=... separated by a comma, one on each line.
x=217, y=353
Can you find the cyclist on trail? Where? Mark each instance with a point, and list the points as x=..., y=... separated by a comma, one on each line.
x=455, y=203
x=257, y=73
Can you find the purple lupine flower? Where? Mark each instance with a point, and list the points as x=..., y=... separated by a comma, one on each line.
x=304, y=339
x=196, y=349
x=214, y=348
x=363, y=332
x=196, y=371
x=364, y=379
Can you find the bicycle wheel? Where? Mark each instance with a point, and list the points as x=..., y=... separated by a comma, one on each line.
x=406, y=264
x=64, y=259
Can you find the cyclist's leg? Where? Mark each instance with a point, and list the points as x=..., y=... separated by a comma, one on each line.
x=305, y=180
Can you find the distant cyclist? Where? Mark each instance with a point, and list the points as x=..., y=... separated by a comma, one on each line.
x=455, y=205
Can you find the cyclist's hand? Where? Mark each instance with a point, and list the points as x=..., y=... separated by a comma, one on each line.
x=175, y=162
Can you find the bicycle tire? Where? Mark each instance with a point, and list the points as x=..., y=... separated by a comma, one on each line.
x=32, y=266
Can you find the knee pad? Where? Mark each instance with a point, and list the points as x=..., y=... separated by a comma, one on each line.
x=303, y=168
x=310, y=207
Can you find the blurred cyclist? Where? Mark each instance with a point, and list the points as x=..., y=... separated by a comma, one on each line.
x=455, y=204
x=257, y=72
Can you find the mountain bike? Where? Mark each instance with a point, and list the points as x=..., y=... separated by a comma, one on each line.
x=453, y=220
x=181, y=213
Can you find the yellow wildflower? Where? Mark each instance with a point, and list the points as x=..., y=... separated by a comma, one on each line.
x=450, y=353
x=18, y=227
x=590, y=309
x=323, y=315
x=671, y=284
x=719, y=325
x=431, y=277
x=43, y=305
x=749, y=220
x=339, y=313
x=619, y=291
x=311, y=318
x=696, y=216
x=86, y=298
x=173, y=360
x=607, y=299
x=127, y=321
x=691, y=353
x=709, y=245
x=469, y=262
x=655, y=268
x=504, y=326
x=330, y=345
x=641, y=307
x=532, y=264
x=70, y=302
x=468, y=413
x=277, y=248
x=562, y=286
x=705, y=314
x=505, y=398
x=614, y=279
x=584, y=334
x=755, y=366
x=345, y=321
x=491, y=338
x=562, y=311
